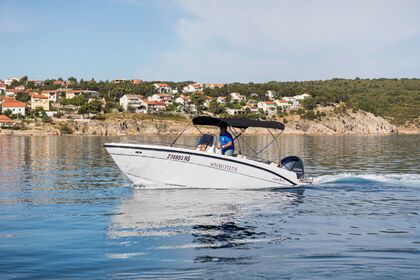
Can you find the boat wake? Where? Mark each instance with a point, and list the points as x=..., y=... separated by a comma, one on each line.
x=344, y=178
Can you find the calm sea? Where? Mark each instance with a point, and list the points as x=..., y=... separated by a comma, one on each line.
x=66, y=211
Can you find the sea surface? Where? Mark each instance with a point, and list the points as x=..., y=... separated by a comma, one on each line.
x=66, y=211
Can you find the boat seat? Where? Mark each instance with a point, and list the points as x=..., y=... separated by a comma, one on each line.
x=206, y=143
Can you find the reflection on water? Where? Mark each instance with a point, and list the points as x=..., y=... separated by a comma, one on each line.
x=212, y=218
x=66, y=211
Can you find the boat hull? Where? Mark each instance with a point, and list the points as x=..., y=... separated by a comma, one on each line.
x=162, y=167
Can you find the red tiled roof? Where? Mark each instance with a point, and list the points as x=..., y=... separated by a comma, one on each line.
x=39, y=96
x=163, y=85
x=154, y=103
x=5, y=119
x=13, y=104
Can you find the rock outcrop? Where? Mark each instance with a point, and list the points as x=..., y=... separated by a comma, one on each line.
x=345, y=123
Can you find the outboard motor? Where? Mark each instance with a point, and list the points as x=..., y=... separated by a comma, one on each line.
x=295, y=164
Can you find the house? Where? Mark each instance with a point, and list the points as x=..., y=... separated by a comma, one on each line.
x=183, y=100
x=60, y=83
x=136, y=81
x=302, y=96
x=206, y=103
x=40, y=101
x=271, y=94
x=72, y=93
x=2, y=87
x=268, y=107
x=5, y=121
x=20, y=88
x=162, y=88
x=213, y=86
x=92, y=93
x=53, y=95
x=252, y=109
x=118, y=81
x=221, y=99
x=16, y=107
x=133, y=103
x=11, y=92
x=235, y=112
x=8, y=82
x=152, y=107
x=237, y=97
x=162, y=97
x=38, y=83
x=284, y=104
x=193, y=88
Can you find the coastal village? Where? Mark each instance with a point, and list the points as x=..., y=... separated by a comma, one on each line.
x=22, y=99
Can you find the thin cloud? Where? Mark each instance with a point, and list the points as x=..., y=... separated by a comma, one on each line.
x=289, y=39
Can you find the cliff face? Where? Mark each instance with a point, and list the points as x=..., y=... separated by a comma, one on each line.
x=347, y=123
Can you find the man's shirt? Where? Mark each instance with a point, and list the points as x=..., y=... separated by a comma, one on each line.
x=225, y=138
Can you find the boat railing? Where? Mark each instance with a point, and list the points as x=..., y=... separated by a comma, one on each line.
x=193, y=147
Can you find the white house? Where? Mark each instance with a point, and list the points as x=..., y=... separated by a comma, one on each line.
x=221, y=99
x=20, y=88
x=152, y=107
x=11, y=92
x=193, y=88
x=162, y=88
x=234, y=96
x=271, y=94
x=251, y=108
x=235, y=112
x=8, y=82
x=302, y=96
x=2, y=86
x=132, y=103
x=268, y=107
x=53, y=95
x=183, y=100
x=161, y=97
x=16, y=107
x=284, y=104
x=206, y=103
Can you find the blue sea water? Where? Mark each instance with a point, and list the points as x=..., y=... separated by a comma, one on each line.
x=66, y=211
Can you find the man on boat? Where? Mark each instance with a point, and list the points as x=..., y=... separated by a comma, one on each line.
x=226, y=144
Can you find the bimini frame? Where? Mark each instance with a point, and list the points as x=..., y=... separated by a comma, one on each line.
x=238, y=123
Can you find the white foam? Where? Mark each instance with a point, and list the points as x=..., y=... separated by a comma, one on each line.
x=405, y=179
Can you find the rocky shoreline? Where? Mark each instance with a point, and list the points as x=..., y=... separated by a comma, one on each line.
x=347, y=123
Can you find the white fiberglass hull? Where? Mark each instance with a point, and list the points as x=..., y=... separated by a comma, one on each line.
x=162, y=167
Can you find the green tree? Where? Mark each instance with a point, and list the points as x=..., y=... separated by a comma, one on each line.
x=92, y=107
x=23, y=96
x=23, y=80
x=8, y=113
x=198, y=101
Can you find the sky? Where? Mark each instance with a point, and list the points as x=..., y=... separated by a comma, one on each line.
x=210, y=41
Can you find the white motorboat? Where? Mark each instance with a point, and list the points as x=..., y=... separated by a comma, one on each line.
x=157, y=166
